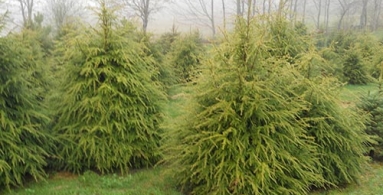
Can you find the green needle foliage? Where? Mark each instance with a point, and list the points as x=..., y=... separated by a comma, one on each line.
x=22, y=137
x=266, y=119
x=185, y=56
x=339, y=133
x=354, y=70
x=372, y=103
x=243, y=134
x=108, y=113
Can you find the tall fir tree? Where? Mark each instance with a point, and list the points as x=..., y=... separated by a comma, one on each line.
x=109, y=109
x=23, y=139
x=242, y=134
x=266, y=119
x=339, y=133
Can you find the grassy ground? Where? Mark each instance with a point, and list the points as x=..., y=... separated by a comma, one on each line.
x=370, y=184
x=146, y=182
x=158, y=181
x=351, y=93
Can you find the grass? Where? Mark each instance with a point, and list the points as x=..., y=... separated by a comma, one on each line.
x=370, y=184
x=154, y=181
x=352, y=93
x=157, y=181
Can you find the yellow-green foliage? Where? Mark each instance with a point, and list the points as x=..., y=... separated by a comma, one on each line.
x=22, y=137
x=264, y=120
x=185, y=56
x=242, y=135
x=108, y=110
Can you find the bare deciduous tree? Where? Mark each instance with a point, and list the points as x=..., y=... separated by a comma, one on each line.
x=363, y=15
x=318, y=4
x=144, y=8
x=304, y=11
x=326, y=14
x=201, y=12
x=61, y=10
x=376, y=14
x=26, y=8
x=345, y=7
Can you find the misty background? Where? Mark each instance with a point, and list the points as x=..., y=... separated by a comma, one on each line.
x=207, y=16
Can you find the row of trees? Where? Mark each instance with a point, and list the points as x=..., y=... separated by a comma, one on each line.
x=92, y=98
x=264, y=117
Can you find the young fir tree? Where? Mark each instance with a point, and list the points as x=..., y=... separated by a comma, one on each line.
x=242, y=134
x=354, y=71
x=108, y=113
x=338, y=133
x=185, y=55
x=22, y=134
x=372, y=103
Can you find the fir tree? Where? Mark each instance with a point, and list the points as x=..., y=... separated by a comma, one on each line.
x=372, y=103
x=353, y=68
x=22, y=136
x=108, y=113
x=242, y=134
x=185, y=55
x=266, y=119
x=337, y=132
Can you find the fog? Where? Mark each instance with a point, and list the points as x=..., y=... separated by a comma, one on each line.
x=180, y=14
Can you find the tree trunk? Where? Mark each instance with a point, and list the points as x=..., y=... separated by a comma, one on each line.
x=212, y=17
x=264, y=7
x=319, y=14
x=341, y=19
x=239, y=7
x=327, y=14
x=145, y=15
x=224, y=14
x=304, y=11
x=376, y=14
x=363, y=15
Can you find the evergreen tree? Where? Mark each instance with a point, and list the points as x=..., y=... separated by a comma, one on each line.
x=108, y=113
x=266, y=119
x=354, y=70
x=22, y=134
x=337, y=132
x=242, y=134
x=372, y=103
x=185, y=55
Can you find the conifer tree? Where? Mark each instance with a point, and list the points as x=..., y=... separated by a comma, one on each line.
x=337, y=132
x=22, y=136
x=266, y=119
x=242, y=134
x=372, y=103
x=108, y=113
x=185, y=55
x=354, y=70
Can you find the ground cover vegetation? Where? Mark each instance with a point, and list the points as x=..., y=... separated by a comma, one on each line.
x=262, y=109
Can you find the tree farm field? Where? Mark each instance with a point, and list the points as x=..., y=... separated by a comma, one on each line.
x=159, y=181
